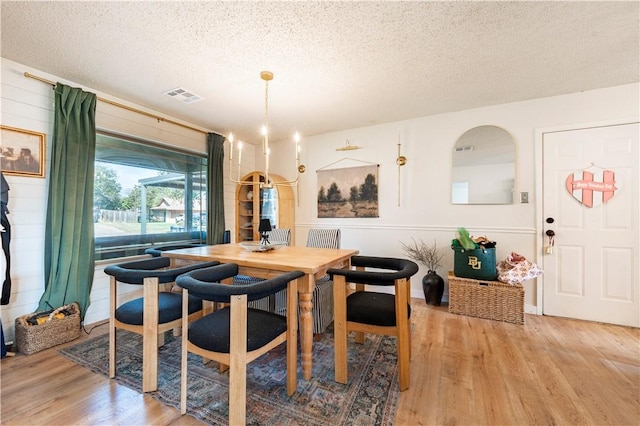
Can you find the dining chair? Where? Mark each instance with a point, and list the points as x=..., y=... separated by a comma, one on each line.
x=367, y=311
x=237, y=334
x=151, y=315
x=322, y=309
x=273, y=303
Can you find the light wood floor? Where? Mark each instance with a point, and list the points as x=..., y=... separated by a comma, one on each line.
x=464, y=371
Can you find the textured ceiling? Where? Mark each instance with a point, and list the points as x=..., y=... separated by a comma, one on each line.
x=337, y=65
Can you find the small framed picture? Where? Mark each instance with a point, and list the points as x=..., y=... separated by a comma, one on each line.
x=22, y=152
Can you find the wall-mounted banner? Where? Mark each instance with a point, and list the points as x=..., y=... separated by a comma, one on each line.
x=592, y=187
x=348, y=192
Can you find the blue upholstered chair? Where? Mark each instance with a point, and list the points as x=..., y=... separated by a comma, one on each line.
x=150, y=315
x=237, y=334
x=278, y=302
x=373, y=312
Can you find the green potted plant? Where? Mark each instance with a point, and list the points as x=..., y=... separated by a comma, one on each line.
x=431, y=257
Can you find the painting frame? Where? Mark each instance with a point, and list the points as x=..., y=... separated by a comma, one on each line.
x=22, y=152
x=348, y=192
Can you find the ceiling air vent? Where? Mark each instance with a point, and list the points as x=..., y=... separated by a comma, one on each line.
x=183, y=95
x=463, y=148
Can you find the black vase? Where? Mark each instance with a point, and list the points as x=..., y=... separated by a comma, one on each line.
x=433, y=287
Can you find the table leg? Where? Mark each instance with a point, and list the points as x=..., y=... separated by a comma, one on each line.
x=306, y=334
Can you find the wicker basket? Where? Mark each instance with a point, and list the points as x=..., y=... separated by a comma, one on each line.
x=486, y=299
x=35, y=338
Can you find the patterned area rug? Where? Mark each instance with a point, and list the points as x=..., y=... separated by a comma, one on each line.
x=370, y=398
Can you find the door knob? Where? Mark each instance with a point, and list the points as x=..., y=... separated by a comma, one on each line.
x=550, y=236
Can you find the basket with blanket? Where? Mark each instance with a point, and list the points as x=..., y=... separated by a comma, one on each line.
x=41, y=330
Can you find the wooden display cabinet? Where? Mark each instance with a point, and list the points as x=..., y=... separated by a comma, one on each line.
x=253, y=202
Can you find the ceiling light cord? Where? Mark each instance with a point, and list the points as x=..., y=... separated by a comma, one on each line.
x=266, y=76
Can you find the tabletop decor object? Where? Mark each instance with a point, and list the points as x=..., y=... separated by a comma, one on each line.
x=259, y=246
x=264, y=229
x=431, y=257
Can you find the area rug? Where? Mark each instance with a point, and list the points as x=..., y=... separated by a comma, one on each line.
x=370, y=397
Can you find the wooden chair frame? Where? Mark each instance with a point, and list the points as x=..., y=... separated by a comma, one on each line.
x=238, y=357
x=152, y=333
x=342, y=327
x=154, y=281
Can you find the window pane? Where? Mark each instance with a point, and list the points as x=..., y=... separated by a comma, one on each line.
x=146, y=195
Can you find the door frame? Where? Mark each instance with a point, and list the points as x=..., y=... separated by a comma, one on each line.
x=539, y=213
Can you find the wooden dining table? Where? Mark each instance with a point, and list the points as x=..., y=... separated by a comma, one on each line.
x=314, y=262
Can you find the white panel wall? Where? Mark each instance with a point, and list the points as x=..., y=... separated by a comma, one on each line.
x=425, y=210
x=28, y=104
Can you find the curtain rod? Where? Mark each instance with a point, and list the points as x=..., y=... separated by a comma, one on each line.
x=128, y=108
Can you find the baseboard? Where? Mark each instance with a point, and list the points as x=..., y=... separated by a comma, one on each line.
x=528, y=309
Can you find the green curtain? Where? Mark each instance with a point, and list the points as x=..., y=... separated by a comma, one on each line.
x=69, y=246
x=215, y=188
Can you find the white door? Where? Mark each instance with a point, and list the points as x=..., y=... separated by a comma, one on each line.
x=590, y=202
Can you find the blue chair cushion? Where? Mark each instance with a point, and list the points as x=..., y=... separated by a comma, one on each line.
x=368, y=307
x=169, y=307
x=212, y=332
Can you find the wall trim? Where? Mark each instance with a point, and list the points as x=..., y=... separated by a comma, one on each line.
x=530, y=309
x=398, y=227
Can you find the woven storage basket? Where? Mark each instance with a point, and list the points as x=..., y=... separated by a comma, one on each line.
x=493, y=300
x=35, y=338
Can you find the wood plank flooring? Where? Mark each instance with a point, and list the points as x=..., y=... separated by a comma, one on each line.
x=464, y=371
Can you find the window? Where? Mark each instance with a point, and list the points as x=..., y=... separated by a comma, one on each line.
x=146, y=195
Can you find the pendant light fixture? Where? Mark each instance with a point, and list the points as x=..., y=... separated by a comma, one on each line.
x=266, y=76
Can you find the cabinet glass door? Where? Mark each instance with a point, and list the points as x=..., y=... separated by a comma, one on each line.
x=269, y=205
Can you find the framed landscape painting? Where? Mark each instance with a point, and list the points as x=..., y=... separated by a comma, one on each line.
x=348, y=192
x=22, y=152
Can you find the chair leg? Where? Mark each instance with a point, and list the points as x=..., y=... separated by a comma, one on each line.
x=112, y=326
x=408, y=287
x=292, y=337
x=403, y=337
x=185, y=343
x=340, y=328
x=150, y=336
x=238, y=361
x=359, y=335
